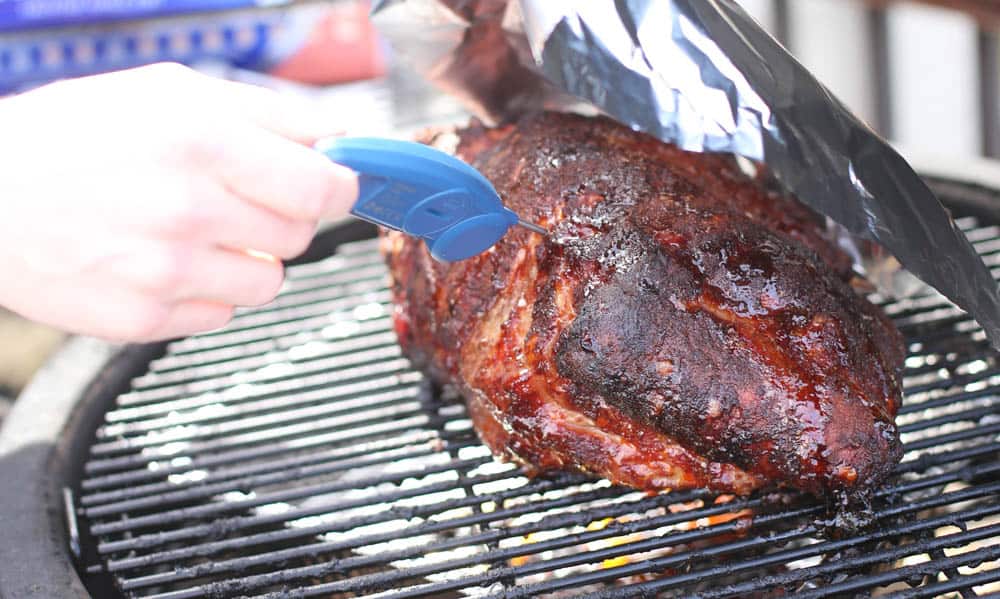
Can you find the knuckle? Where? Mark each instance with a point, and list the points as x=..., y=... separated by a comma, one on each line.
x=198, y=147
x=187, y=213
x=167, y=269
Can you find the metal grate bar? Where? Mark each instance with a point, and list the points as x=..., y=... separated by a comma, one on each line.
x=937, y=402
x=393, y=404
x=368, y=294
x=286, y=438
x=368, y=539
x=953, y=540
x=979, y=395
x=156, y=411
x=203, y=511
x=362, y=251
x=908, y=572
x=923, y=463
x=927, y=460
x=370, y=437
x=374, y=333
x=976, y=353
x=289, y=321
x=298, y=291
x=286, y=469
x=346, y=423
x=307, y=532
x=267, y=500
x=490, y=535
x=939, y=589
x=249, y=583
x=973, y=415
x=167, y=449
x=899, y=574
x=387, y=579
x=336, y=363
x=336, y=416
x=404, y=386
x=957, y=380
x=384, y=580
x=614, y=530
x=343, y=267
x=761, y=563
x=311, y=326
x=178, y=366
x=275, y=373
x=300, y=474
x=964, y=435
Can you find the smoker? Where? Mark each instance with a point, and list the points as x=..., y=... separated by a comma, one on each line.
x=295, y=453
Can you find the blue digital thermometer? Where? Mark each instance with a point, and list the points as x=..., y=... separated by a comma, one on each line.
x=426, y=193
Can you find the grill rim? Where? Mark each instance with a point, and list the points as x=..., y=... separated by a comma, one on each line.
x=45, y=437
x=42, y=443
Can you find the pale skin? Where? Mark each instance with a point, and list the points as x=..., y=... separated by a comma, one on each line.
x=146, y=204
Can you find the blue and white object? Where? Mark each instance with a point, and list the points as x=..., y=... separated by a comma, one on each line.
x=426, y=193
x=87, y=42
x=19, y=15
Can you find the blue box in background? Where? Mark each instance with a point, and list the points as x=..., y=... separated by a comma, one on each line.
x=45, y=40
x=20, y=15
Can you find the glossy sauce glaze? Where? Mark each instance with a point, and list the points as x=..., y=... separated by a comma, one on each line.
x=680, y=327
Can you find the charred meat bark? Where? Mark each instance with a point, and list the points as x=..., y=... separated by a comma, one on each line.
x=681, y=327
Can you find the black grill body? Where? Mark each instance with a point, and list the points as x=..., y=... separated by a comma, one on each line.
x=295, y=453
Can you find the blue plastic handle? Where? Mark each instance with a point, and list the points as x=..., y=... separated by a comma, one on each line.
x=423, y=192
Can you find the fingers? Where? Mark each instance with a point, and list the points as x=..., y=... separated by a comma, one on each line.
x=174, y=293
x=200, y=210
x=229, y=277
x=121, y=314
x=254, y=147
x=292, y=180
x=284, y=115
x=222, y=219
x=170, y=272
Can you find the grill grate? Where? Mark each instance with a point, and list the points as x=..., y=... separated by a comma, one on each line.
x=295, y=454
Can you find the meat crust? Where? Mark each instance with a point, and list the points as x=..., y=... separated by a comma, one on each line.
x=681, y=327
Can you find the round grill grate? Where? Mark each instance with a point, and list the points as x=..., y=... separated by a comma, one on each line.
x=296, y=454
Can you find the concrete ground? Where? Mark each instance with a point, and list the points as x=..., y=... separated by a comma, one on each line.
x=24, y=347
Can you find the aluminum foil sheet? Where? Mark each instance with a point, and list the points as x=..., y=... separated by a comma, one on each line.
x=701, y=74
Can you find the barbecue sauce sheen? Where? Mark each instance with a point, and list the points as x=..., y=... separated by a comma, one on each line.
x=681, y=327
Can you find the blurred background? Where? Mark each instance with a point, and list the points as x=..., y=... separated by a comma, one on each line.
x=924, y=74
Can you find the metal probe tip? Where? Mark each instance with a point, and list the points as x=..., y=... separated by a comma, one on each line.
x=532, y=227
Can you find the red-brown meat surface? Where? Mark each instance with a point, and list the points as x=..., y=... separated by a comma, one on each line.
x=681, y=327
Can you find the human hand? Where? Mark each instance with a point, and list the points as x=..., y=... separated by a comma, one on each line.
x=146, y=204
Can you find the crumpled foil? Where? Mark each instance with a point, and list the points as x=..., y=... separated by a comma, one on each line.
x=703, y=75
